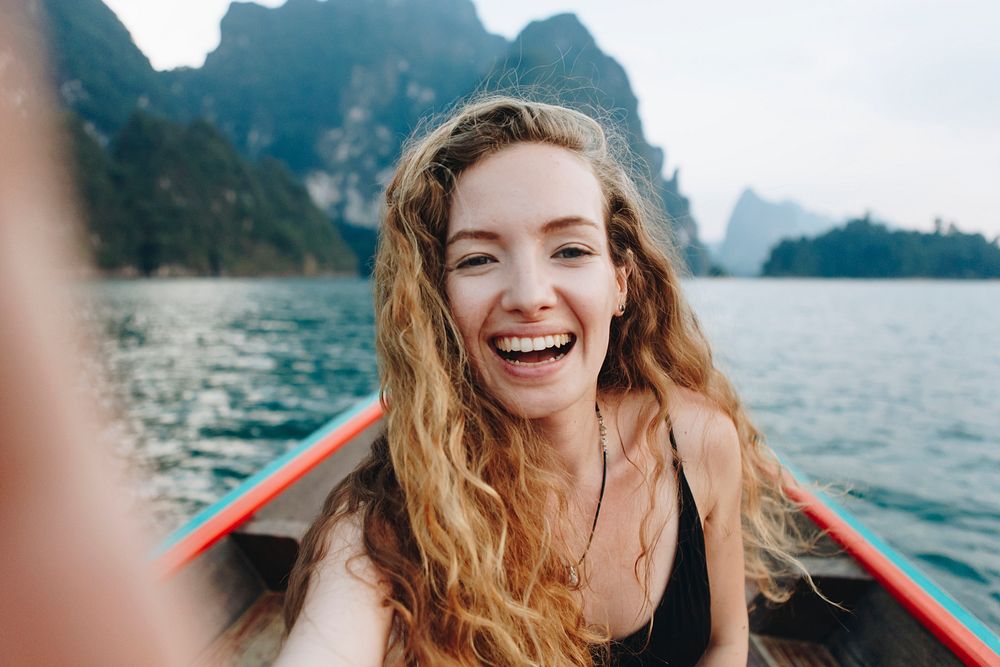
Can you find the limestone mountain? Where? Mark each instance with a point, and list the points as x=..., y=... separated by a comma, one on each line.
x=158, y=196
x=333, y=88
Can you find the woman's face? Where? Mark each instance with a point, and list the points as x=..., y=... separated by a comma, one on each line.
x=530, y=279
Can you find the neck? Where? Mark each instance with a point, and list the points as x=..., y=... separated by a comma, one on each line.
x=575, y=437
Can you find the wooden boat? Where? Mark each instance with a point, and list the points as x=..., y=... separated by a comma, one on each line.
x=238, y=553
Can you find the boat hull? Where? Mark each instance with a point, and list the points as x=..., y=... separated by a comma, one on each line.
x=237, y=556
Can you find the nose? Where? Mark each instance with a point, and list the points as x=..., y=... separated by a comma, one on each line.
x=530, y=289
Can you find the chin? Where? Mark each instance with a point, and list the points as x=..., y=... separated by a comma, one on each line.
x=537, y=404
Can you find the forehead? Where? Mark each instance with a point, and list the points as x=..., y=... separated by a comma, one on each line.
x=523, y=186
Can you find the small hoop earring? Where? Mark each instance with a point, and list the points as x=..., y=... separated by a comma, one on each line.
x=621, y=308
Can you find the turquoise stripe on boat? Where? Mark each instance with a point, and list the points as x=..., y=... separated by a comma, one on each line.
x=262, y=474
x=964, y=616
x=977, y=627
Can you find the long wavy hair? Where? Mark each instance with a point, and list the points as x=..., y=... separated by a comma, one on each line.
x=450, y=499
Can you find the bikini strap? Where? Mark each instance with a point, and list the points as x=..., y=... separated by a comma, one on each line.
x=673, y=445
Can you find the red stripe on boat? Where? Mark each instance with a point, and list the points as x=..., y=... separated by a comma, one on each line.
x=969, y=648
x=240, y=510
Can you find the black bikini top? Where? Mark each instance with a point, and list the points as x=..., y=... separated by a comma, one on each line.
x=682, y=621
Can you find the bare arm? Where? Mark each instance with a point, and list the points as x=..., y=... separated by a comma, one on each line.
x=724, y=546
x=76, y=585
x=343, y=620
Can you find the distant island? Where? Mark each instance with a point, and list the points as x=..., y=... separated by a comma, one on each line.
x=866, y=249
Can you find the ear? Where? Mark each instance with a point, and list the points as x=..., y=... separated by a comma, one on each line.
x=622, y=274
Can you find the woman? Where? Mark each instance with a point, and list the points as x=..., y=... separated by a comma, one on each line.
x=565, y=477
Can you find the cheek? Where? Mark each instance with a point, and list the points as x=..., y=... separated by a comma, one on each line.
x=596, y=295
x=467, y=312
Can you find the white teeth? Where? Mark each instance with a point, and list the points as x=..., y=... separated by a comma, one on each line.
x=515, y=344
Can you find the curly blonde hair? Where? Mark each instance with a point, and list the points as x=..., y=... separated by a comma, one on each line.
x=449, y=499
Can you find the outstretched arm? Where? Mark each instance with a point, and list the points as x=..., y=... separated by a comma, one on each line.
x=343, y=620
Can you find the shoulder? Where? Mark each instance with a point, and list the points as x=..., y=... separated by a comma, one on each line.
x=708, y=445
x=345, y=619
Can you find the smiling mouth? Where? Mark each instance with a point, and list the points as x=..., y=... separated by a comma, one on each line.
x=534, y=351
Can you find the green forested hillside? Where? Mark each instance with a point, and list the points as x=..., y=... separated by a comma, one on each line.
x=169, y=198
x=332, y=89
x=865, y=249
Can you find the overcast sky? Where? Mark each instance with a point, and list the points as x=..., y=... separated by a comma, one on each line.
x=885, y=106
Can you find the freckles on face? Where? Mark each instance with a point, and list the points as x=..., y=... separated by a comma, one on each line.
x=530, y=280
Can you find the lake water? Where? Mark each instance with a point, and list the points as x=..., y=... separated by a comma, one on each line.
x=890, y=390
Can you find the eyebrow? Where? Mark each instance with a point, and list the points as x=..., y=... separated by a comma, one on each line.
x=549, y=227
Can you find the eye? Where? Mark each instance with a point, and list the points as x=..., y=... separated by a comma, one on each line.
x=473, y=261
x=572, y=252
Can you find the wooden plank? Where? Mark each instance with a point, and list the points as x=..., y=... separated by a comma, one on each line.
x=881, y=632
x=766, y=651
x=255, y=639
